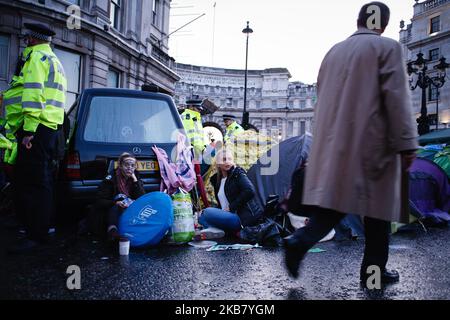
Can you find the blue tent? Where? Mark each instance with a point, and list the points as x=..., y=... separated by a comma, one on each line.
x=438, y=136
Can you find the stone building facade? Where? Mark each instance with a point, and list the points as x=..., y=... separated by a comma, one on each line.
x=284, y=108
x=429, y=33
x=120, y=44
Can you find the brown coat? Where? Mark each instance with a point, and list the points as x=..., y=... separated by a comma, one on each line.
x=363, y=119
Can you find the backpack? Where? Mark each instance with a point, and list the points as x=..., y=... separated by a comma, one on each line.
x=266, y=234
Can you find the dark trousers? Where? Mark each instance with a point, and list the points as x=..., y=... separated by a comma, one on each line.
x=34, y=172
x=113, y=215
x=322, y=221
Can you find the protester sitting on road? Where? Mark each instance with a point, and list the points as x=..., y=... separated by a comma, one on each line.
x=118, y=191
x=235, y=194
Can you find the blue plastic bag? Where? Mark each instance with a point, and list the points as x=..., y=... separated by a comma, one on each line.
x=147, y=220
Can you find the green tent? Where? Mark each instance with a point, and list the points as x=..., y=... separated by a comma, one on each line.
x=442, y=158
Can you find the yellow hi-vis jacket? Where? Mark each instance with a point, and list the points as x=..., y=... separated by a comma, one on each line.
x=9, y=143
x=233, y=130
x=192, y=123
x=44, y=89
x=12, y=104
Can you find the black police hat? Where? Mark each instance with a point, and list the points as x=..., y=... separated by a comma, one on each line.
x=39, y=31
x=194, y=102
x=228, y=116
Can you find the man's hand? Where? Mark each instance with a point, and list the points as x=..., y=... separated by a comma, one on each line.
x=133, y=176
x=408, y=159
x=26, y=141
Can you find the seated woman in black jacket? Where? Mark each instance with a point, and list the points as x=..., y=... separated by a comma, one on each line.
x=235, y=194
x=116, y=192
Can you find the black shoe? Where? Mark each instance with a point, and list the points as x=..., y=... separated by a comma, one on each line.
x=293, y=256
x=390, y=276
x=23, y=246
x=387, y=277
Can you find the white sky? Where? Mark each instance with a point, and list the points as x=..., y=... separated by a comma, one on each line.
x=294, y=34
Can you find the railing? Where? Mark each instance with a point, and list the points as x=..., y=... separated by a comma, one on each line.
x=428, y=5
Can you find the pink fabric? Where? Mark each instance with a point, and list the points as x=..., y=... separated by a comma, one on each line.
x=176, y=175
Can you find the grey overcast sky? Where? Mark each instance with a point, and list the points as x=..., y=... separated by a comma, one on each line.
x=295, y=34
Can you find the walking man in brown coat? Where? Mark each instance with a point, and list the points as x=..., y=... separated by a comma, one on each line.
x=364, y=142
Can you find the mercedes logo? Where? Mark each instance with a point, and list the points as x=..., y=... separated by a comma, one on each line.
x=137, y=150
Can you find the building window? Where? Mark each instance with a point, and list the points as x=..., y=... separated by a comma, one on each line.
x=290, y=132
x=114, y=14
x=258, y=104
x=274, y=103
x=291, y=104
x=434, y=54
x=71, y=63
x=229, y=102
x=302, y=104
x=274, y=123
x=432, y=118
x=302, y=127
x=113, y=80
x=274, y=85
x=435, y=24
x=77, y=2
x=155, y=11
x=432, y=93
x=235, y=103
x=4, y=55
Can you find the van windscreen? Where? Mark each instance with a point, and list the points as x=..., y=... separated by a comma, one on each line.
x=130, y=120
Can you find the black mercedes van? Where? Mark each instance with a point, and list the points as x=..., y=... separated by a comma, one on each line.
x=107, y=122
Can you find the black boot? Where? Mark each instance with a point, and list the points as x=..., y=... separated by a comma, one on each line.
x=387, y=277
x=293, y=255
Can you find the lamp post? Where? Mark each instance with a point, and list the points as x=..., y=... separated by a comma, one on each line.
x=424, y=81
x=245, y=115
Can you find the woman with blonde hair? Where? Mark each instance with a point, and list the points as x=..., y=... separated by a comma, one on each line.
x=235, y=195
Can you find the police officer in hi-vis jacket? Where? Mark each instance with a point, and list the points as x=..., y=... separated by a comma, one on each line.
x=233, y=129
x=192, y=123
x=39, y=110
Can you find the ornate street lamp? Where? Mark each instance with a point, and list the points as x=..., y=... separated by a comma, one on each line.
x=439, y=82
x=424, y=81
x=245, y=115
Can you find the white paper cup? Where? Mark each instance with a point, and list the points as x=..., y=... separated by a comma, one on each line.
x=124, y=246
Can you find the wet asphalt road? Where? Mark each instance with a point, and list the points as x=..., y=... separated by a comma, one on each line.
x=187, y=273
